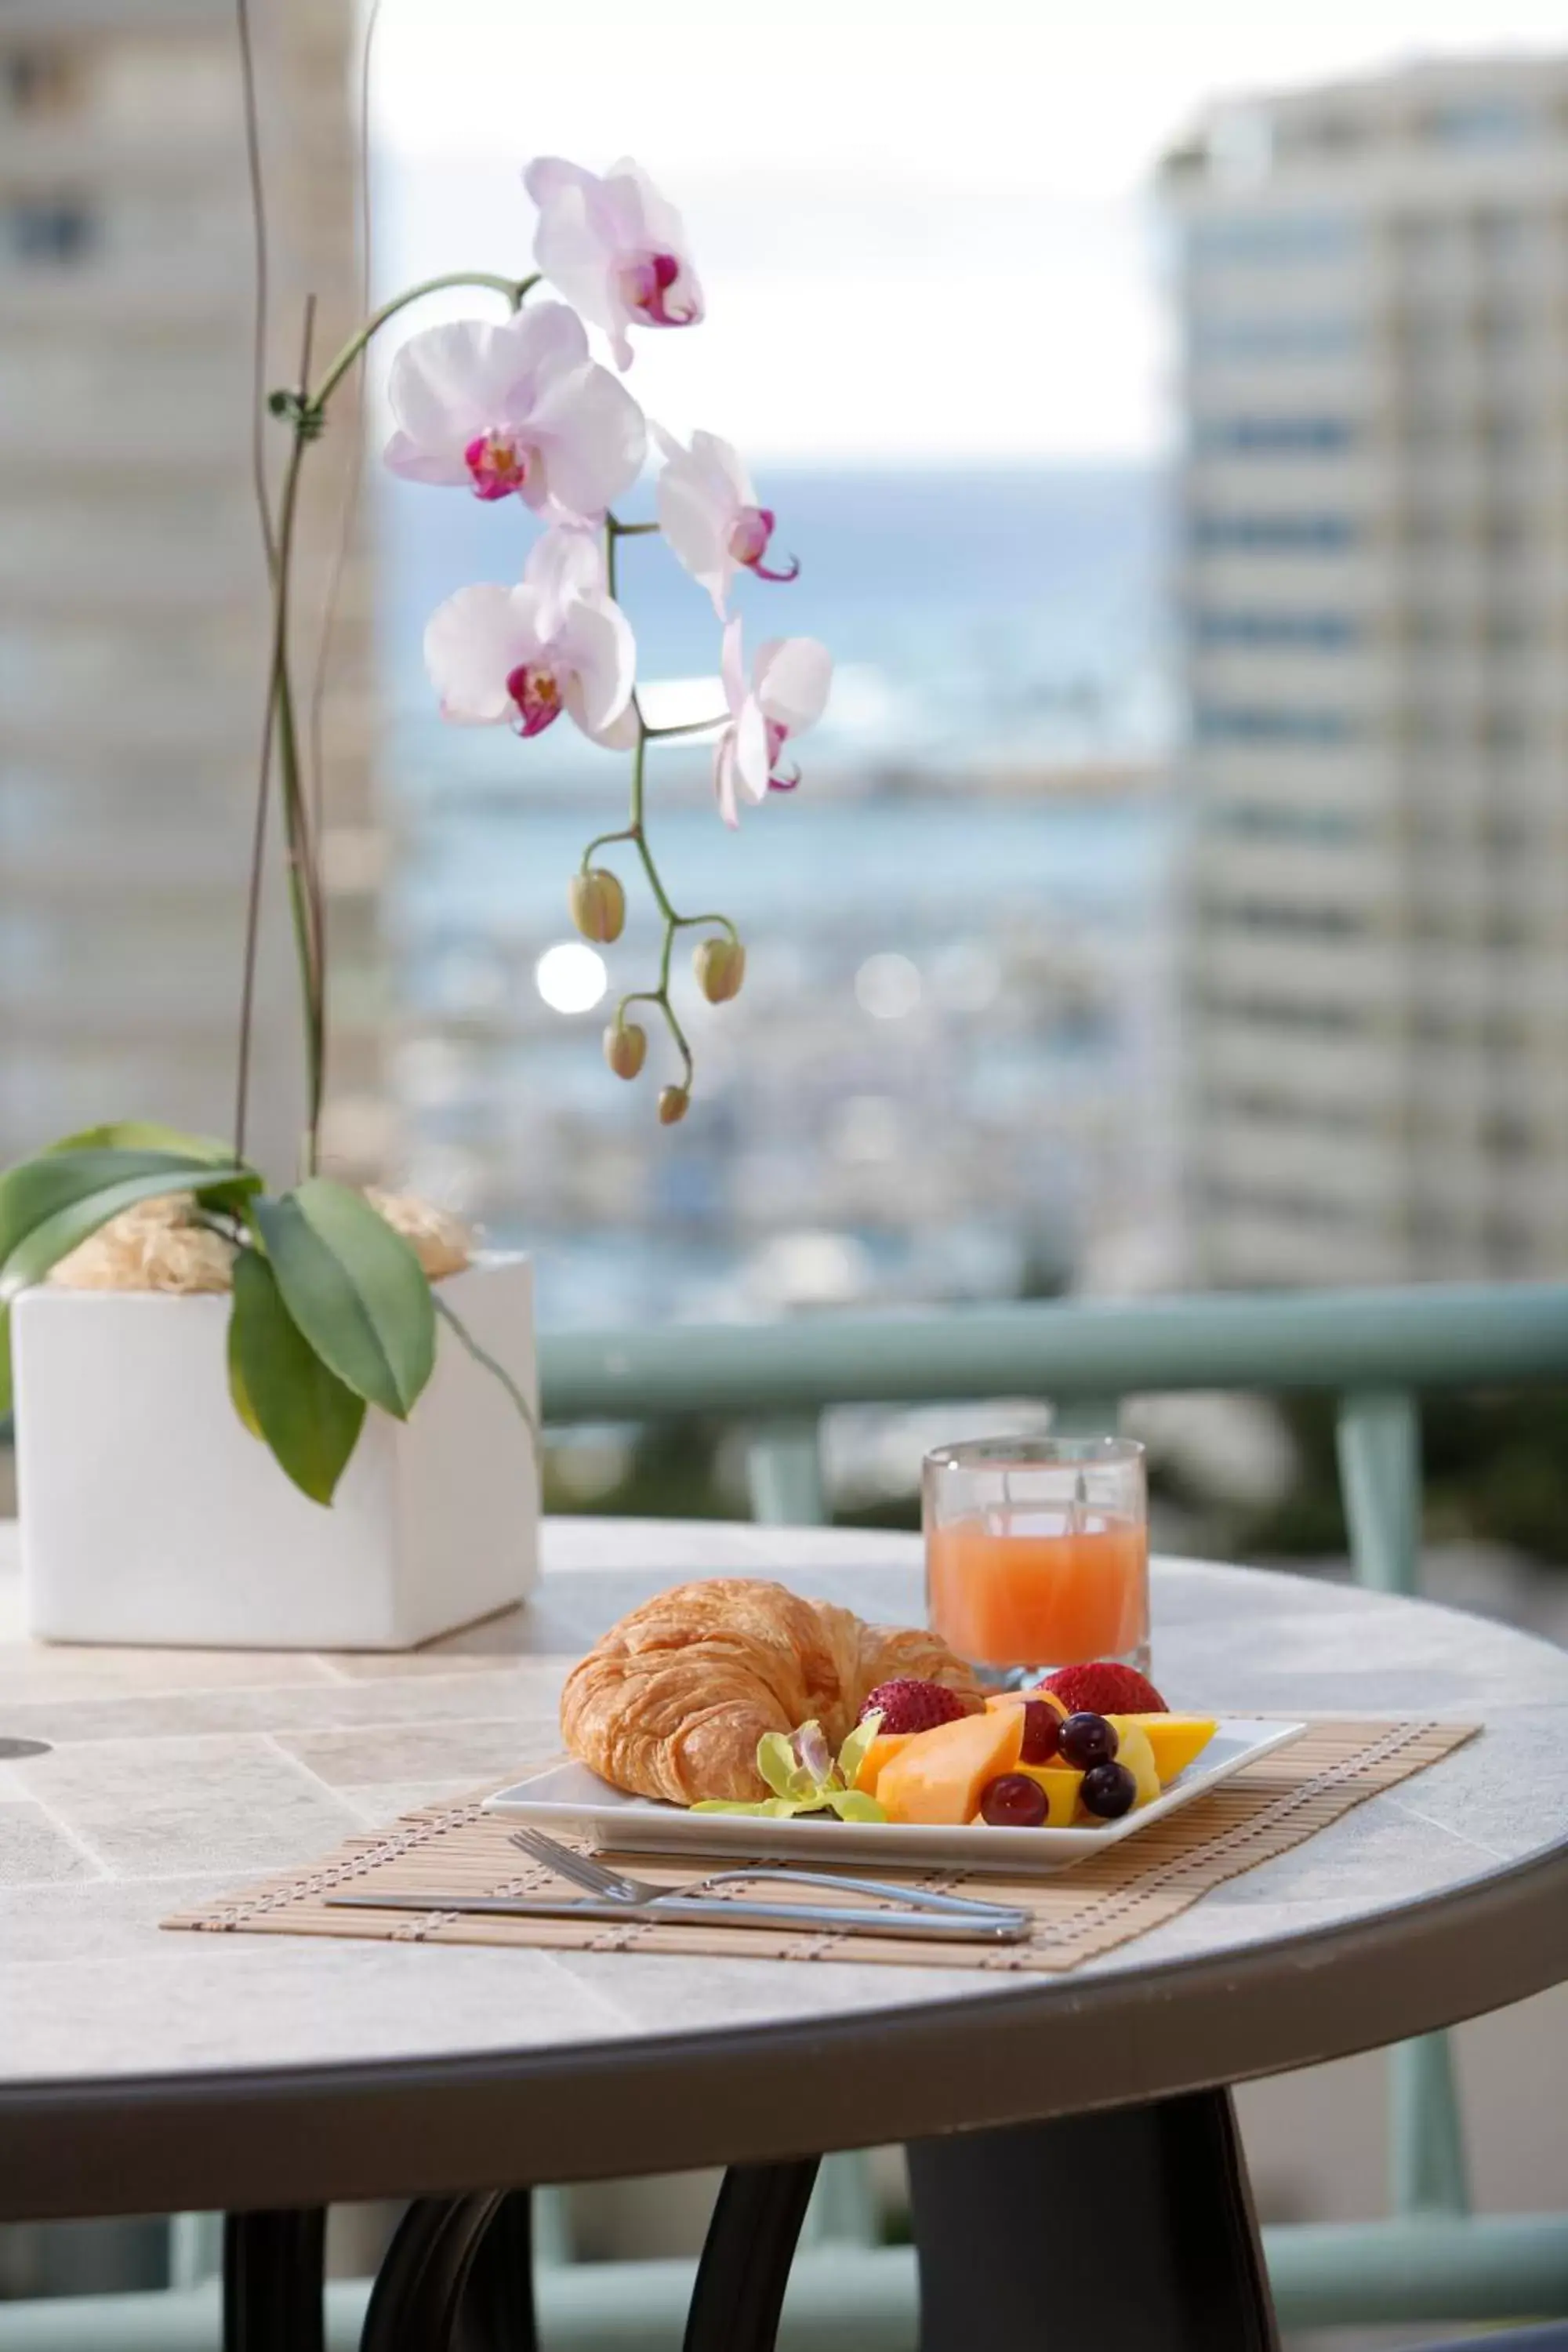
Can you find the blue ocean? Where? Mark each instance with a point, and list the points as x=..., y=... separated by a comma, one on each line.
x=991, y=630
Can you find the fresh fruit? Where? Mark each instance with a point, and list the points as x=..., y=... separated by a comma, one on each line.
x=1108, y=1792
x=1061, y=1787
x=1035, y=1696
x=1175, y=1739
x=882, y=1750
x=1087, y=1739
x=1135, y=1749
x=1105, y=1688
x=1042, y=1732
x=1014, y=1800
x=937, y=1776
x=910, y=1705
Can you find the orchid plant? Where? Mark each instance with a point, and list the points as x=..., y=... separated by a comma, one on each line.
x=519, y=409
x=334, y=1311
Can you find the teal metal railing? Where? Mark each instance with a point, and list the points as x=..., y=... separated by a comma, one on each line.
x=1377, y=1352
x=1374, y=1350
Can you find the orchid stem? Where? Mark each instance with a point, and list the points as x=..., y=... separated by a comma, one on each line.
x=513, y=288
x=687, y=727
x=634, y=830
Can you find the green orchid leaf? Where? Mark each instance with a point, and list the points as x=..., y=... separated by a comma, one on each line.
x=855, y=1805
x=354, y=1288
x=146, y=1135
x=4, y=1359
x=281, y=1388
x=776, y=1763
x=238, y=1394
x=48, y=1206
x=852, y=1755
x=230, y=1193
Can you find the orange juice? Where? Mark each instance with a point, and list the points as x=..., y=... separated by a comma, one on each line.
x=1028, y=1593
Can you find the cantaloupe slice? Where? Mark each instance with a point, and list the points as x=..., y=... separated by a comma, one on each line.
x=1175, y=1739
x=882, y=1750
x=937, y=1776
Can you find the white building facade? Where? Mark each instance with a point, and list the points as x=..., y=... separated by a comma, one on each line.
x=1374, y=597
x=133, y=606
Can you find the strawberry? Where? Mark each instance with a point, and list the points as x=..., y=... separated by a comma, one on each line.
x=1105, y=1688
x=908, y=1705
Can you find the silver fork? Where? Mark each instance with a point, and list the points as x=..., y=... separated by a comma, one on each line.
x=595, y=1878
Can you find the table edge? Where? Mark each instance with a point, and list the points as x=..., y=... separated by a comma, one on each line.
x=482, y=2119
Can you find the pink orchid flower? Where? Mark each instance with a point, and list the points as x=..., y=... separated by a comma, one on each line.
x=788, y=693
x=613, y=248
x=709, y=513
x=521, y=656
x=515, y=408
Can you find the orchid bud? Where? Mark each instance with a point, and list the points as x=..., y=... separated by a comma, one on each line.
x=720, y=967
x=598, y=904
x=625, y=1048
x=674, y=1102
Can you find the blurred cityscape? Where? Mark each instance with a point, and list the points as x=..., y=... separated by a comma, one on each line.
x=1177, y=894
x=1180, y=890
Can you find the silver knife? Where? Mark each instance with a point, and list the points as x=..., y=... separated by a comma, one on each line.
x=1008, y=1926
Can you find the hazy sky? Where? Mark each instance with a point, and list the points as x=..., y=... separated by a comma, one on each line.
x=923, y=230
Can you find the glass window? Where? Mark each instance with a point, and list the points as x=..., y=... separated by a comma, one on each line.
x=1302, y=534
x=1232, y=723
x=43, y=229
x=37, y=77
x=1272, y=436
x=1268, y=237
x=1483, y=122
x=1310, y=632
x=1284, y=338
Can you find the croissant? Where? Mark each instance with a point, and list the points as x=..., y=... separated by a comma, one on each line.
x=672, y=1701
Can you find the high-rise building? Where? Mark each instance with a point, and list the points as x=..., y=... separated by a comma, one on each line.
x=1374, y=286
x=133, y=609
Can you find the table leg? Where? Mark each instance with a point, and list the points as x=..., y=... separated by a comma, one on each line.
x=457, y=2277
x=272, y=2267
x=1133, y=2226
x=746, y=2257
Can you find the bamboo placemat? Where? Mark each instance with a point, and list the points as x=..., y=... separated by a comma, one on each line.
x=1087, y=1909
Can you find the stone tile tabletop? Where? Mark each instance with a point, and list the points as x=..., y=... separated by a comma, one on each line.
x=176, y=1774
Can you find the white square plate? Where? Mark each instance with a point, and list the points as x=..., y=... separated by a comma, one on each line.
x=569, y=1797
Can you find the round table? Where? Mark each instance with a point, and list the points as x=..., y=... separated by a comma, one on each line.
x=141, y=2071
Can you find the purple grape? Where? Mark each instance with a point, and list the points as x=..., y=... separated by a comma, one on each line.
x=1087, y=1739
x=1014, y=1801
x=1108, y=1790
x=1042, y=1732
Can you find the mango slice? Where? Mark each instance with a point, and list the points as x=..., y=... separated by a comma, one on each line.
x=1175, y=1739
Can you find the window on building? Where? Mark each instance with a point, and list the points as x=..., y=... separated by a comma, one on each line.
x=1267, y=534
x=1483, y=122
x=39, y=77
x=1269, y=237
x=1285, y=919
x=1267, y=723
x=1303, y=632
x=1330, y=337
x=1269, y=821
x=1275, y=436
x=42, y=230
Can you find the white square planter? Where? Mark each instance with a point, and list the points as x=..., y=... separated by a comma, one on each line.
x=150, y=1513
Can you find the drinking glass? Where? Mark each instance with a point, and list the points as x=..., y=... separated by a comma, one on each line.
x=1037, y=1553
